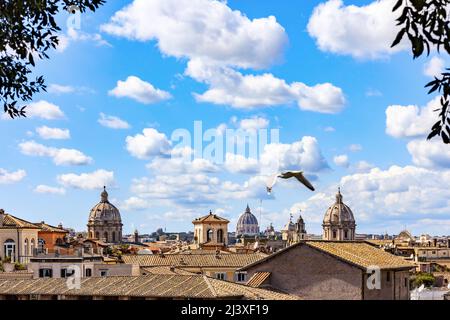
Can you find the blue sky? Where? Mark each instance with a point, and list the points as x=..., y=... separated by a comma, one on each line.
x=351, y=112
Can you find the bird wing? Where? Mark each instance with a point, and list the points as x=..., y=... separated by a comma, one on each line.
x=300, y=177
x=271, y=180
x=287, y=174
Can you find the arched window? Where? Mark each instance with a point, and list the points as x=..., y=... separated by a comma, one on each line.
x=41, y=245
x=105, y=235
x=10, y=249
x=346, y=234
x=113, y=236
x=334, y=234
x=220, y=236
x=97, y=235
x=209, y=235
x=32, y=246
x=26, y=248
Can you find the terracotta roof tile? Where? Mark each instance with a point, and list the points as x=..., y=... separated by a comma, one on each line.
x=152, y=286
x=10, y=221
x=234, y=260
x=211, y=218
x=258, y=279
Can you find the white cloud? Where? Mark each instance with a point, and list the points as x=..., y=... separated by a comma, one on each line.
x=406, y=193
x=149, y=143
x=362, y=167
x=53, y=133
x=87, y=181
x=49, y=190
x=7, y=177
x=113, y=122
x=230, y=87
x=65, y=89
x=254, y=123
x=216, y=34
x=429, y=153
x=60, y=156
x=355, y=147
x=139, y=90
x=329, y=129
x=411, y=121
x=74, y=35
x=60, y=89
x=364, y=32
x=341, y=161
x=44, y=110
x=304, y=154
x=135, y=203
x=181, y=162
x=434, y=67
x=236, y=163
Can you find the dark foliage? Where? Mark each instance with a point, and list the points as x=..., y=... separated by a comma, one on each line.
x=426, y=24
x=27, y=31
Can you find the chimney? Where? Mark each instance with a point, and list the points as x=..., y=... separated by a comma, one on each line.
x=2, y=216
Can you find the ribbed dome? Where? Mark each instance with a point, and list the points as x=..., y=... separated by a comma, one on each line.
x=104, y=211
x=339, y=213
x=247, y=224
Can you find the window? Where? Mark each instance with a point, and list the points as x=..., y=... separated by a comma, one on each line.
x=113, y=236
x=103, y=273
x=105, y=235
x=388, y=276
x=45, y=273
x=32, y=246
x=66, y=273
x=220, y=236
x=209, y=235
x=41, y=245
x=221, y=276
x=241, y=277
x=88, y=272
x=10, y=249
x=26, y=247
x=334, y=234
x=433, y=252
x=406, y=282
x=345, y=234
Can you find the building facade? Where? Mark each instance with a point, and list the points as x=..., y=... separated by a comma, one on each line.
x=333, y=270
x=211, y=231
x=105, y=222
x=339, y=222
x=18, y=238
x=294, y=232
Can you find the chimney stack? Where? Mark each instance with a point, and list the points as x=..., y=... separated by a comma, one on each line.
x=2, y=216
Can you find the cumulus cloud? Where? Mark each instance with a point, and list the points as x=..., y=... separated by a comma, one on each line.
x=362, y=167
x=236, y=163
x=304, y=154
x=149, y=143
x=113, y=122
x=341, y=161
x=49, y=190
x=66, y=89
x=135, y=203
x=408, y=193
x=53, y=133
x=216, y=34
x=254, y=123
x=7, y=177
x=87, y=181
x=364, y=32
x=355, y=147
x=411, y=121
x=60, y=157
x=429, y=153
x=44, y=110
x=139, y=90
x=230, y=87
x=434, y=67
x=74, y=35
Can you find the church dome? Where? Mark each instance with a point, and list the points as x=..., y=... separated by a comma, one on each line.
x=104, y=211
x=339, y=213
x=247, y=224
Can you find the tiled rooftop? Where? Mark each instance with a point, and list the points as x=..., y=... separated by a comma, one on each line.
x=235, y=260
x=10, y=222
x=151, y=286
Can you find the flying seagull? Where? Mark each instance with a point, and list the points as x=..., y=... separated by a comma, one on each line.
x=287, y=175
